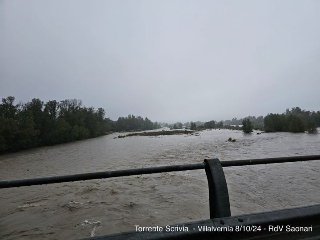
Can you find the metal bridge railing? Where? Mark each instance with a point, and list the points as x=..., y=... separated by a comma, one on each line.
x=149, y=170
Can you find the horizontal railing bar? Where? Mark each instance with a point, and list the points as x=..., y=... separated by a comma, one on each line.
x=98, y=175
x=149, y=170
x=234, y=163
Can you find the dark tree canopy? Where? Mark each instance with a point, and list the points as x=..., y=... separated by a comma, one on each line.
x=193, y=126
x=36, y=123
x=295, y=121
x=247, y=125
x=210, y=124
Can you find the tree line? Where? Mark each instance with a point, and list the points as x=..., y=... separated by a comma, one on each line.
x=195, y=125
x=35, y=123
x=294, y=120
x=256, y=121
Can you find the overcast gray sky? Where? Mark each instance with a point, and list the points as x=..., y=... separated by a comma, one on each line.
x=168, y=60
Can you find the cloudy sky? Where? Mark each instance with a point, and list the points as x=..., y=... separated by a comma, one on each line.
x=169, y=60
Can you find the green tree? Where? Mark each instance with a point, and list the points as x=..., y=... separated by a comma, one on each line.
x=275, y=123
x=63, y=130
x=311, y=126
x=296, y=124
x=268, y=123
x=8, y=131
x=210, y=124
x=219, y=124
x=7, y=108
x=246, y=126
x=35, y=107
x=27, y=135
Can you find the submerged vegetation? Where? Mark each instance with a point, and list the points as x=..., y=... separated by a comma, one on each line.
x=35, y=123
x=247, y=125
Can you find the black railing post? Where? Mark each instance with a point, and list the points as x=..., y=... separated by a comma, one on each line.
x=218, y=190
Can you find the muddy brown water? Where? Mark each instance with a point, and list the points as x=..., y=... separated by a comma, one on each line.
x=97, y=207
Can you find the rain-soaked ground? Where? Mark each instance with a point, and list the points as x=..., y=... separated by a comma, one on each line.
x=98, y=207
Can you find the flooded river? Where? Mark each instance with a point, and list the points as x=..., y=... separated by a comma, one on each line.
x=97, y=207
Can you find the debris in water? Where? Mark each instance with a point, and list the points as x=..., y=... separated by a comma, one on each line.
x=72, y=205
x=112, y=191
x=30, y=205
x=91, y=222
